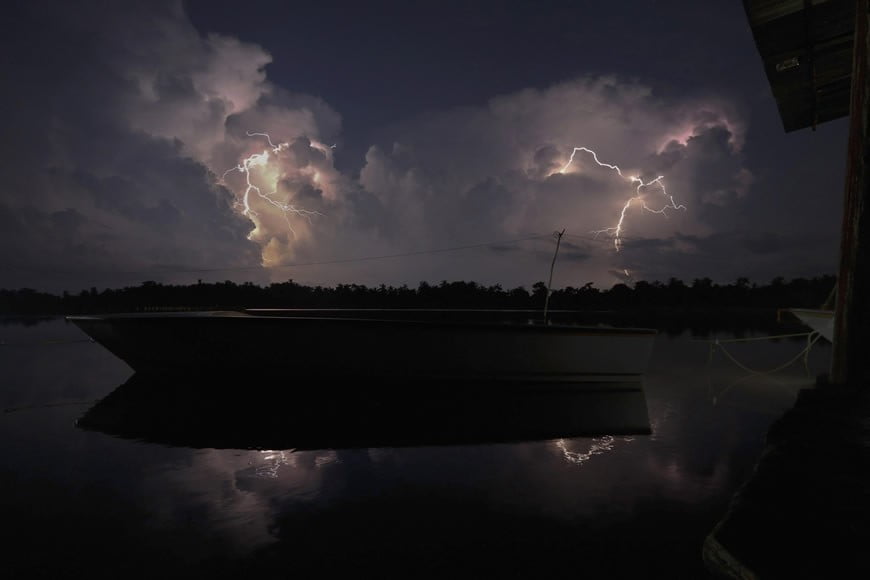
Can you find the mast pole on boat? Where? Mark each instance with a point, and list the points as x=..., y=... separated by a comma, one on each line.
x=552, y=265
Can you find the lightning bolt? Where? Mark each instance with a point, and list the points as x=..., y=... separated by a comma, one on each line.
x=262, y=160
x=616, y=231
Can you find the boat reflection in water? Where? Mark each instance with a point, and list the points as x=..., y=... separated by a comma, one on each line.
x=181, y=411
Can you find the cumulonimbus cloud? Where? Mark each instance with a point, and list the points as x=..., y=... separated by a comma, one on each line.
x=141, y=167
x=500, y=170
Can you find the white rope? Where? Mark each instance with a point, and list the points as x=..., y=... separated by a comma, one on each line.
x=45, y=342
x=775, y=336
x=812, y=337
x=9, y=410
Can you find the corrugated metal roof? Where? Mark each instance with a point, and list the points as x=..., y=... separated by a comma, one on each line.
x=806, y=47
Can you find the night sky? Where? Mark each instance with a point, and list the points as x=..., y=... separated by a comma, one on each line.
x=396, y=128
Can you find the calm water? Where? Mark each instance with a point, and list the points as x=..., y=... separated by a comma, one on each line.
x=191, y=485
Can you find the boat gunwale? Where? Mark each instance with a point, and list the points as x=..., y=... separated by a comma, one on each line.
x=503, y=326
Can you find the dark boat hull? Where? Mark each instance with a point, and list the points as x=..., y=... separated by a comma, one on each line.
x=214, y=343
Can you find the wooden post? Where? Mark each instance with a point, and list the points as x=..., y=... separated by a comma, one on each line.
x=852, y=320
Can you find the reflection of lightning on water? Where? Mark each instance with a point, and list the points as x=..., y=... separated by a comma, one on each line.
x=598, y=446
x=262, y=160
x=616, y=231
x=273, y=460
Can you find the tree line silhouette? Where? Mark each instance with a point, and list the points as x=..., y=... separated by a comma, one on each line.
x=674, y=295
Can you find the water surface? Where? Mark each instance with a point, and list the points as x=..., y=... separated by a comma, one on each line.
x=167, y=491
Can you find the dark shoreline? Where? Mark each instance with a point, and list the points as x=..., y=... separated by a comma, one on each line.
x=673, y=295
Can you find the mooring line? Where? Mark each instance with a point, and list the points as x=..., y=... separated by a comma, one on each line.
x=9, y=410
x=46, y=342
x=812, y=338
x=751, y=338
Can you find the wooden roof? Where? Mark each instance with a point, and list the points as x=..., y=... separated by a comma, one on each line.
x=806, y=47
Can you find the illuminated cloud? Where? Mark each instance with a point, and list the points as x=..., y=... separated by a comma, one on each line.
x=495, y=171
x=114, y=171
x=122, y=160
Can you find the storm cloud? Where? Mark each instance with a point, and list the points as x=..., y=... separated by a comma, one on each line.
x=496, y=172
x=146, y=149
